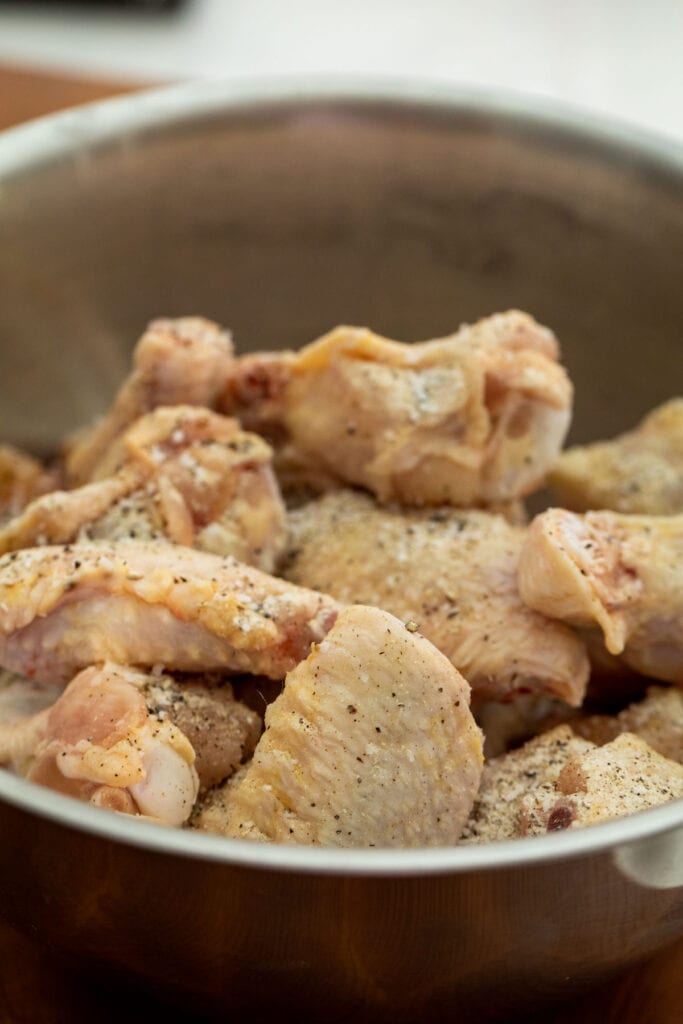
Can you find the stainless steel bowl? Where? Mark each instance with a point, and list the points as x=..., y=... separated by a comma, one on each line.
x=282, y=209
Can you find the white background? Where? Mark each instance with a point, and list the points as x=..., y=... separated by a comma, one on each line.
x=620, y=57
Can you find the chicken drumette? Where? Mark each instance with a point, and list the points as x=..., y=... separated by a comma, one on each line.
x=184, y=361
x=180, y=473
x=132, y=742
x=475, y=418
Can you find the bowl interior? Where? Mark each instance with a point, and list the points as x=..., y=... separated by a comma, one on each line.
x=286, y=210
x=287, y=214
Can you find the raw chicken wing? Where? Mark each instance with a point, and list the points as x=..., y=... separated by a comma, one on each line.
x=133, y=742
x=101, y=744
x=454, y=573
x=180, y=473
x=64, y=608
x=639, y=472
x=182, y=361
x=622, y=573
x=370, y=744
x=474, y=418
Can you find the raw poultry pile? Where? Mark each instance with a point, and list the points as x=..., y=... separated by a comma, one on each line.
x=293, y=596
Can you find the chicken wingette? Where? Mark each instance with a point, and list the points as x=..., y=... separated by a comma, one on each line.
x=65, y=608
x=452, y=572
x=371, y=743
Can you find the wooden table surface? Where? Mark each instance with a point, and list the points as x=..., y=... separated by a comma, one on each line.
x=36, y=988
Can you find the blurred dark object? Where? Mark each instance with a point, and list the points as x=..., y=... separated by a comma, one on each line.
x=147, y=5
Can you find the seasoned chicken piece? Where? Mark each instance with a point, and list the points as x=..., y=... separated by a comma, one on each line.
x=507, y=780
x=100, y=743
x=223, y=731
x=639, y=472
x=622, y=573
x=559, y=780
x=657, y=719
x=474, y=418
x=99, y=723
x=370, y=744
x=63, y=608
x=623, y=777
x=22, y=479
x=176, y=362
x=61, y=516
x=454, y=573
x=182, y=474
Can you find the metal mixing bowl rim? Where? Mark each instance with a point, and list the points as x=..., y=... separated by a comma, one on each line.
x=71, y=134
x=73, y=131
x=187, y=843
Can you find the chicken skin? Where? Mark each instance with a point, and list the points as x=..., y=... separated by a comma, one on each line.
x=528, y=772
x=621, y=573
x=475, y=418
x=639, y=472
x=222, y=730
x=176, y=362
x=559, y=780
x=64, y=608
x=132, y=742
x=452, y=572
x=657, y=719
x=99, y=743
x=371, y=743
x=620, y=778
x=180, y=473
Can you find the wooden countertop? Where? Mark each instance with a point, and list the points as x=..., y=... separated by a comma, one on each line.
x=25, y=94
x=36, y=988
